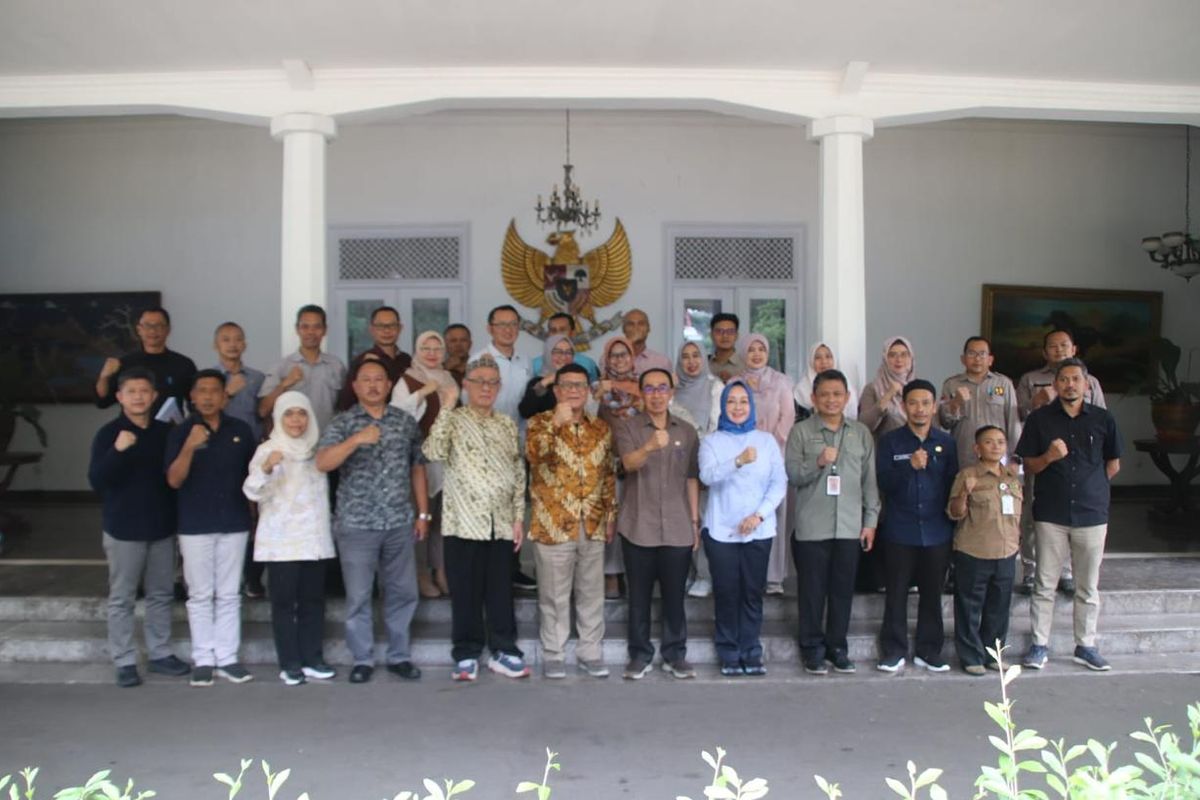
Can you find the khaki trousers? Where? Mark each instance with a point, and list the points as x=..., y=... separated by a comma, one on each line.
x=566, y=569
x=1028, y=536
x=1084, y=548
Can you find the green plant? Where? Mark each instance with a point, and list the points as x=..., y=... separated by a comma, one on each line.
x=10, y=407
x=726, y=784
x=1166, y=386
x=543, y=788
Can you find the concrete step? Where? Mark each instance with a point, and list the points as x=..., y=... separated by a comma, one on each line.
x=867, y=607
x=77, y=642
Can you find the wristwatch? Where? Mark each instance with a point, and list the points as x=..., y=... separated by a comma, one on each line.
x=425, y=517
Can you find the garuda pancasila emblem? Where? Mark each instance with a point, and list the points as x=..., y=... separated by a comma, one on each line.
x=566, y=281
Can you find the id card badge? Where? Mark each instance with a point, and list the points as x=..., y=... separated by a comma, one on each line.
x=1008, y=506
x=833, y=485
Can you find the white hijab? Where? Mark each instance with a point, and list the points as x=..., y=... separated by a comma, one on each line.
x=294, y=448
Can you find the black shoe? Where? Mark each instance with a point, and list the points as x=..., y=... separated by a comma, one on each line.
x=1066, y=586
x=841, y=663
x=815, y=666
x=127, y=676
x=254, y=590
x=170, y=665
x=180, y=591
x=523, y=582
x=1025, y=587
x=361, y=673
x=732, y=670
x=755, y=669
x=405, y=669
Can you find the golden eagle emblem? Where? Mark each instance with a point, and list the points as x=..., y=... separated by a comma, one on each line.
x=566, y=281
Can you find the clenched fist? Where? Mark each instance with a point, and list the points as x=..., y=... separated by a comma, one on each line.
x=235, y=384
x=563, y=414
x=747, y=456
x=962, y=394
x=125, y=440
x=197, y=436
x=111, y=367
x=659, y=440
x=969, y=484
x=369, y=435
x=294, y=376
x=828, y=456
x=273, y=461
x=920, y=459
x=1057, y=450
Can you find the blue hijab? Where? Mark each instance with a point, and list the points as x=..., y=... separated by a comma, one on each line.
x=725, y=423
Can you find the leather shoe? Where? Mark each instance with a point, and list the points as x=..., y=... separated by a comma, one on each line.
x=361, y=673
x=127, y=676
x=405, y=669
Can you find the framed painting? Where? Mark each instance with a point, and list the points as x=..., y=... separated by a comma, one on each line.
x=1113, y=329
x=53, y=345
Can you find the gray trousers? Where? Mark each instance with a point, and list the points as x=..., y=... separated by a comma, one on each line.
x=364, y=553
x=131, y=563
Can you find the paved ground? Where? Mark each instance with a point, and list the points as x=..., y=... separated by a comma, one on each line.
x=615, y=739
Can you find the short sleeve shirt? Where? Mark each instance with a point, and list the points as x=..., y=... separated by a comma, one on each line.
x=321, y=383
x=1073, y=491
x=211, y=499
x=985, y=531
x=654, y=509
x=375, y=482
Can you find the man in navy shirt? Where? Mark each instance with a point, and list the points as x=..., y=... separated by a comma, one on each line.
x=915, y=467
x=172, y=371
x=139, y=526
x=207, y=459
x=1074, y=449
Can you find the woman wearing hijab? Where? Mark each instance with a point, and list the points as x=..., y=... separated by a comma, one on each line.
x=698, y=393
x=820, y=358
x=557, y=352
x=882, y=408
x=293, y=536
x=776, y=414
x=422, y=391
x=744, y=471
x=617, y=390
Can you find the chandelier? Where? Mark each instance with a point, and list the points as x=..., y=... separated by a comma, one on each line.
x=1178, y=251
x=568, y=209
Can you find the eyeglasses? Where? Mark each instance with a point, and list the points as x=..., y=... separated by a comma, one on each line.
x=615, y=354
x=426, y=348
x=977, y=354
x=661, y=388
x=563, y=351
x=572, y=386
x=507, y=325
x=490, y=383
x=386, y=326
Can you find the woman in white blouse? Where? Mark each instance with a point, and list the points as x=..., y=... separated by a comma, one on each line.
x=422, y=391
x=293, y=536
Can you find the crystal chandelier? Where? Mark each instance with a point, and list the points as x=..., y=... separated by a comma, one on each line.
x=1178, y=251
x=568, y=209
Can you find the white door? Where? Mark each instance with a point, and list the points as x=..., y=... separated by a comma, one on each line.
x=428, y=308
x=692, y=310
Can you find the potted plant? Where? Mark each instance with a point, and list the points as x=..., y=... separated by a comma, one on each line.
x=1174, y=404
x=12, y=409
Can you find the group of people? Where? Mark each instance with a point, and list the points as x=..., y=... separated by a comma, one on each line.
x=429, y=474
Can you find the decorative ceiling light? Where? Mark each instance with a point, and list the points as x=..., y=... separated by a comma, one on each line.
x=568, y=209
x=1177, y=250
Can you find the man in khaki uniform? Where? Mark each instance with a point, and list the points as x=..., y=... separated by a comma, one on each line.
x=978, y=397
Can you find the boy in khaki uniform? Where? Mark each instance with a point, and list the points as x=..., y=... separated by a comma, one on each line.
x=986, y=501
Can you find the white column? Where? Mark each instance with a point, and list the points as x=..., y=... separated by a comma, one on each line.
x=302, y=262
x=841, y=277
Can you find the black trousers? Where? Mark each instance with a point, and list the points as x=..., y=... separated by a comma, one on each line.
x=902, y=564
x=825, y=573
x=739, y=576
x=298, y=612
x=982, y=601
x=669, y=567
x=480, y=578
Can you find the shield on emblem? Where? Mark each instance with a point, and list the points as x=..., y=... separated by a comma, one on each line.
x=566, y=286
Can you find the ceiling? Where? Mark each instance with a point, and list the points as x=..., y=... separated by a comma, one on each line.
x=1148, y=41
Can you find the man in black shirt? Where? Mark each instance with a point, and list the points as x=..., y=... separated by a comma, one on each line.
x=384, y=329
x=1074, y=449
x=172, y=371
x=139, y=527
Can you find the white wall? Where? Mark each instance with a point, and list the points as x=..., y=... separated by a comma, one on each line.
x=191, y=208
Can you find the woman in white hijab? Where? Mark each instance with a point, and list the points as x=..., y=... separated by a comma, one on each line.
x=293, y=536
x=820, y=358
x=422, y=391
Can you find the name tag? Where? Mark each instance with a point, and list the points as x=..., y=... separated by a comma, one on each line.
x=1008, y=505
x=902, y=457
x=833, y=485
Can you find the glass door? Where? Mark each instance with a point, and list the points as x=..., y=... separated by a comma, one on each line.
x=773, y=313
x=350, y=316
x=692, y=310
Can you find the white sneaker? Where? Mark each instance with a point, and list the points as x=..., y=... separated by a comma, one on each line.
x=935, y=665
x=890, y=666
x=700, y=588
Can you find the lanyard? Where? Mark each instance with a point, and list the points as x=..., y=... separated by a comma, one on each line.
x=841, y=438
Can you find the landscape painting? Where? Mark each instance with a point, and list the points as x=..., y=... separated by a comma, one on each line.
x=53, y=345
x=1113, y=329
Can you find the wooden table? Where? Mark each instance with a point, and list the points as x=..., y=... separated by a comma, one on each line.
x=1180, y=508
x=14, y=460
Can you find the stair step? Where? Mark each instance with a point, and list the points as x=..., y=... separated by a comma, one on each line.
x=1120, y=634
x=866, y=607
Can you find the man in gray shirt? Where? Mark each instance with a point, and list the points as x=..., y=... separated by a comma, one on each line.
x=830, y=461
x=978, y=397
x=315, y=374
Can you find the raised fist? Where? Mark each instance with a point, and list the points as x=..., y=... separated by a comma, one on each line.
x=1057, y=450
x=197, y=436
x=111, y=367
x=125, y=440
x=235, y=384
x=748, y=456
x=827, y=457
x=369, y=435
x=563, y=414
x=294, y=376
x=969, y=484
x=962, y=394
x=920, y=459
x=660, y=439
x=273, y=461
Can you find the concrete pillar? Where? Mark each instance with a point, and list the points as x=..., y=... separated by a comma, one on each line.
x=841, y=276
x=302, y=262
